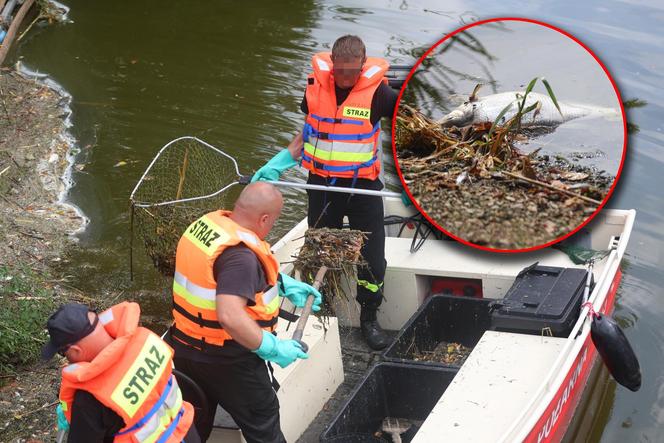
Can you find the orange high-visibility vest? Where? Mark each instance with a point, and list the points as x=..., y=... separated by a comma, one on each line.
x=133, y=377
x=340, y=141
x=195, y=287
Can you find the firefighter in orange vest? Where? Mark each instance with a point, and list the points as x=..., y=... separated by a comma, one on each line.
x=226, y=292
x=346, y=97
x=119, y=386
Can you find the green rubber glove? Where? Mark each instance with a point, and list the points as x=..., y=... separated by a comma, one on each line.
x=405, y=200
x=63, y=424
x=297, y=292
x=275, y=167
x=281, y=352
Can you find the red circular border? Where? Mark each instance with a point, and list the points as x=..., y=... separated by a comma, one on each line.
x=589, y=218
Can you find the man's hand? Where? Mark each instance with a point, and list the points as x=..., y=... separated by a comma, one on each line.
x=281, y=352
x=63, y=424
x=405, y=200
x=297, y=292
x=285, y=159
x=296, y=146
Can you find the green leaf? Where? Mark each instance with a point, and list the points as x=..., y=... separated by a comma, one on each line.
x=551, y=94
x=530, y=86
x=634, y=103
x=530, y=108
x=500, y=116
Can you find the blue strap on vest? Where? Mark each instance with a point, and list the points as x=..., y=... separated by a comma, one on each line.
x=153, y=410
x=333, y=168
x=336, y=120
x=309, y=131
x=171, y=428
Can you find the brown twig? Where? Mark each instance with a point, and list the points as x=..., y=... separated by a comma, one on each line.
x=12, y=202
x=50, y=405
x=39, y=17
x=13, y=29
x=552, y=188
x=183, y=173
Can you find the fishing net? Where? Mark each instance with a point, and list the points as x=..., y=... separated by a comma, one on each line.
x=581, y=255
x=186, y=179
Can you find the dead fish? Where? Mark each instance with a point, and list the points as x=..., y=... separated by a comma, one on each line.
x=486, y=110
x=462, y=177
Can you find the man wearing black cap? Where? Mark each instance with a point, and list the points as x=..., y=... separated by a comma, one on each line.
x=119, y=386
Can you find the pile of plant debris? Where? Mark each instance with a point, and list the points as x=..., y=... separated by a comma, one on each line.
x=448, y=353
x=338, y=250
x=476, y=184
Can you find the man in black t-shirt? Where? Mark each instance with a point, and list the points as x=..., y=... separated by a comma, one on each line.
x=225, y=311
x=327, y=209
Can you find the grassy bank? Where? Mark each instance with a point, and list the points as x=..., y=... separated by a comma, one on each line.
x=27, y=302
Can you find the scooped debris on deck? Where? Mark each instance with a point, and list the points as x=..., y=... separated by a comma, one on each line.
x=338, y=250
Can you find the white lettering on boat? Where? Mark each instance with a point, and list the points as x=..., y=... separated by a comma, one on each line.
x=553, y=418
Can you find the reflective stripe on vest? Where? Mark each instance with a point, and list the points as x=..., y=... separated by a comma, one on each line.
x=271, y=300
x=339, y=151
x=198, y=296
x=337, y=168
x=161, y=415
x=206, y=298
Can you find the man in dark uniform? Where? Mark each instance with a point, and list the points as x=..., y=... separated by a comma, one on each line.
x=349, y=67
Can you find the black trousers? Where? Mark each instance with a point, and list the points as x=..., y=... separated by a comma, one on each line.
x=244, y=389
x=365, y=213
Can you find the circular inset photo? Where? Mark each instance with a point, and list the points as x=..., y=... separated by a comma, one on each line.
x=509, y=135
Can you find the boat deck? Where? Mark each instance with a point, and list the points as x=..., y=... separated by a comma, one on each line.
x=493, y=384
x=501, y=375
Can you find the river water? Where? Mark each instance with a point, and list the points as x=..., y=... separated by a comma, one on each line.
x=143, y=73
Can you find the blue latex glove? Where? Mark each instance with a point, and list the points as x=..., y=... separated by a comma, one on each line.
x=405, y=200
x=297, y=292
x=281, y=352
x=63, y=424
x=273, y=169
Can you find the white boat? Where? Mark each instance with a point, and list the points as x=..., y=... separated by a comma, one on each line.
x=513, y=387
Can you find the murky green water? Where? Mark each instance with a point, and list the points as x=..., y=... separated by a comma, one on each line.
x=142, y=73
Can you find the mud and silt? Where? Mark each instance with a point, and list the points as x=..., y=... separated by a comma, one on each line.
x=34, y=228
x=478, y=185
x=447, y=353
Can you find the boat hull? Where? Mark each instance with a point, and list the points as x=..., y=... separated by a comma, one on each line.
x=555, y=421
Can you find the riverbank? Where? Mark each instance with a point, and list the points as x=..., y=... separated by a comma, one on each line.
x=36, y=224
x=477, y=183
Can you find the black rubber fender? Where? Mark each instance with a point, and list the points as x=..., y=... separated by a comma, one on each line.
x=616, y=352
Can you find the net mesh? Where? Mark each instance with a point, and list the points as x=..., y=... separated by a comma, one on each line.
x=186, y=168
x=581, y=255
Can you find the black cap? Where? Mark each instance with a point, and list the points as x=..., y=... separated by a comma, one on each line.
x=66, y=326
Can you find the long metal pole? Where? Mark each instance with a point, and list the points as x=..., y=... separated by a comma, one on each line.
x=342, y=189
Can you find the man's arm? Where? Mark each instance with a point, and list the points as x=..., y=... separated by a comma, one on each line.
x=234, y=319
x=384, y=101
x=296, y=146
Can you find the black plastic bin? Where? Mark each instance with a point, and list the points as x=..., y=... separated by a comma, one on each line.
x=541, y=298
x=388, y=390
x=440, y=318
